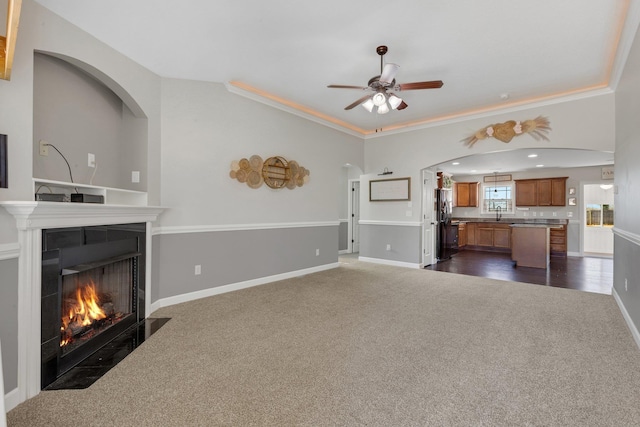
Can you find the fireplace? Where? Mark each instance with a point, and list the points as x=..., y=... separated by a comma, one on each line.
x=92, y=291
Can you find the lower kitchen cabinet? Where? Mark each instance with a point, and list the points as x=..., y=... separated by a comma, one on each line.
x=558, y=241
x=462, y=235
x=488, y=236
x=502, y=236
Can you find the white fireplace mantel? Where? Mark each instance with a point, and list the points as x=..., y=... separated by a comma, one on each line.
x=42, y=215
x=33, y=217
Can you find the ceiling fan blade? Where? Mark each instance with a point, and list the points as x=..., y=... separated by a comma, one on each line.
x=402, y=106
x=347, y=87
x=358, y=102
x=434, y=84
x=389, y=73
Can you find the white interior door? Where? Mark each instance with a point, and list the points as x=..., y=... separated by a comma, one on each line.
x=355, y=216
x=428, y=215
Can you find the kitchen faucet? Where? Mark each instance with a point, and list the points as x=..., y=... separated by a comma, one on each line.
x=498, y=213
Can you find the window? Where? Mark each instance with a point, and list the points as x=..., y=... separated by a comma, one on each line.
x=599, y=215
x=497, y=198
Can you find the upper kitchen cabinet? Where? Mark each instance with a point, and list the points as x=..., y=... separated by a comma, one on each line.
x=526, y=192
x=541, y=192
x=466, y=194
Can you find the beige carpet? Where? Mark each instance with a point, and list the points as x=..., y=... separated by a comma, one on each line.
x=372, y=345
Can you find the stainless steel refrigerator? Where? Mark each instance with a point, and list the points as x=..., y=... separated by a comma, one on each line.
x=446, y=233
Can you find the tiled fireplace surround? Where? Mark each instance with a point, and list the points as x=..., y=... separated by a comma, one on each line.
x=33, y=217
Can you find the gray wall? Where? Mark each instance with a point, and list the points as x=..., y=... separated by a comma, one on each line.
x=229, y=257
x=80, y=115
x=9, y=322
x=343, y=236
x=627, y=186
x=205, y=128
x=405, y=242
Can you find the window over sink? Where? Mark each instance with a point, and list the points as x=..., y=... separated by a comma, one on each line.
x=497, y=198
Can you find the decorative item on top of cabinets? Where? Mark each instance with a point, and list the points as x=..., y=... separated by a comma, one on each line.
x=466, y=194
x=444, y=180
x=276, y=172
x=537, y=128
x=541, y=192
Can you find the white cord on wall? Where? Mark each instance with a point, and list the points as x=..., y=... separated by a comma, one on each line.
x=95, y=168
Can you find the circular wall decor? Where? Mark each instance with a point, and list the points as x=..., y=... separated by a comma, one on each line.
x=276, y=172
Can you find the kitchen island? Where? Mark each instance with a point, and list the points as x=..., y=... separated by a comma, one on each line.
x=530, y=244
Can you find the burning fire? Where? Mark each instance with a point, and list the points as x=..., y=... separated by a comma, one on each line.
x=83, y=311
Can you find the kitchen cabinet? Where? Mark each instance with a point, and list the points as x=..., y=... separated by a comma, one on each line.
x=501, y=236
x=489, y=236
x=466, y=194
x=541, y=192
x=527, y=192
x=558, y=241
x=462, y=235
x=471, y=233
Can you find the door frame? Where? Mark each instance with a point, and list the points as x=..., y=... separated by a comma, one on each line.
x=351, y=238
x=427, y=206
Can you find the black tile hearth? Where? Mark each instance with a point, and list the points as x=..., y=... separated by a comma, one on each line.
x=100, y=362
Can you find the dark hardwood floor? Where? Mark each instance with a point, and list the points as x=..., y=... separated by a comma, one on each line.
x=588, y=274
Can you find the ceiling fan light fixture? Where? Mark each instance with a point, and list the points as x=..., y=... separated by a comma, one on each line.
x=383, y=109
x=368, y=105
x=389, y=73
x=379, y=99
x=394, y=101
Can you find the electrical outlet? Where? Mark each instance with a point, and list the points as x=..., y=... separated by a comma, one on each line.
x=317, y=252
x=44, y=148
x=388, y=247
x=569, y=214
x=555, y=214
x=91, y=161
x=535, y=213
x=135, y=176
x=541, y=213
x=198, y=270
x=626, y=284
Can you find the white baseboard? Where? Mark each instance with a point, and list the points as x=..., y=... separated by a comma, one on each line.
x=632, y=327
x=389, y=262
x=192, y=296
x=344, y=251
x=11, y=399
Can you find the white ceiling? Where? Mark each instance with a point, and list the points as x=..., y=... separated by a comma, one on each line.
x=530, y=50
x=483, y=51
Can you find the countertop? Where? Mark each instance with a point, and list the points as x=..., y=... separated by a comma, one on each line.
x=509, y=221
x=536, y=225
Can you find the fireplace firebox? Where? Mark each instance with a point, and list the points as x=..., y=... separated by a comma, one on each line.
x=92, y=291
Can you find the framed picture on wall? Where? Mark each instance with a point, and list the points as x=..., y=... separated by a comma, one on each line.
x=390, y=190
x=572, y=201
x=572, y=191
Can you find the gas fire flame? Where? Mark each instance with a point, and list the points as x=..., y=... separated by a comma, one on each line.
x=83, y=311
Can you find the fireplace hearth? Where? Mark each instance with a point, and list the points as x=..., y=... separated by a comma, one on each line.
x=92, y=292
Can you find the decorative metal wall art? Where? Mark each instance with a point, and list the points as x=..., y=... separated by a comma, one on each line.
x=276, y=172
x=537, y=128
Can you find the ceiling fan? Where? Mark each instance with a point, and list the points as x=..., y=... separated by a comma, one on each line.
x=379, y=88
